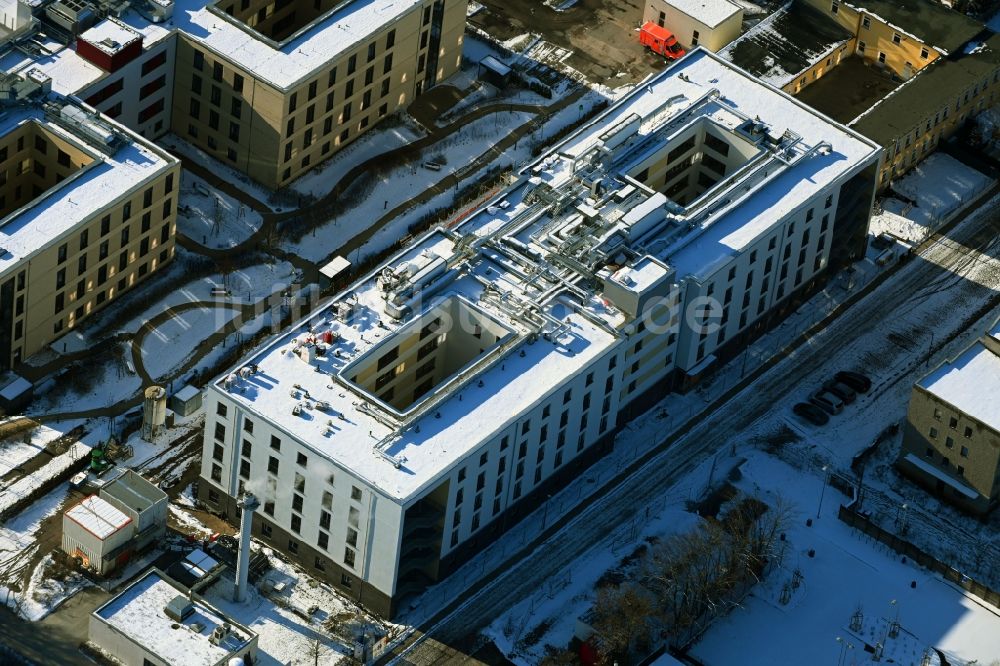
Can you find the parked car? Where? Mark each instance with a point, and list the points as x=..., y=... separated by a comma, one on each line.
x=811, y=413
x=855, y=380
x=828, y=402
x=841, y=390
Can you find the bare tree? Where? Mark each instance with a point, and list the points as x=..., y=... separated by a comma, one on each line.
x=622, y=620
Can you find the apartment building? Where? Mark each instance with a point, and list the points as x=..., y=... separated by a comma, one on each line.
x=951, y=442
x=903, y=36
x=711, y=24
x=88, y=210
x=271, y=89
x=407, y=423
x=912, y=121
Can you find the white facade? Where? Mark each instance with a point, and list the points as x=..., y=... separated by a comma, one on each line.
x=710, y=24
x=398, y=445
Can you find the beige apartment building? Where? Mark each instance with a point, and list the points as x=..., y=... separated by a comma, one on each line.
x=903, y=35
x=707, y=23
x=951, y=443
x=88, y=210
x=269, y=88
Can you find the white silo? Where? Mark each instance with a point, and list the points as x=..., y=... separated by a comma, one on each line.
x=154, y=412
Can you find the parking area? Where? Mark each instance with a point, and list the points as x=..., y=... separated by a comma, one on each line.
x=602, y=35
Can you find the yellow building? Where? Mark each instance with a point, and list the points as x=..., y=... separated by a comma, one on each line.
x=87, y=210
x=902, y=35
x=914, y=119
x=951, y=443
x=708, y=23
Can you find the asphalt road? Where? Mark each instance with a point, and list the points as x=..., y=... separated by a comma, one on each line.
x=941, y=264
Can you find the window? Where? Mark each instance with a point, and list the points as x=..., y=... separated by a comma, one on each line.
x=949, y=442
x=834, y=7
x=275, y=443
x=694, y=38
x=345, y=580
x=881, y=57
x=272, y=465
x=269, y=507
x=301, y=459
x=293, y=546
x=968, y=432
x=965, y=452
x=953, y=423
x=861, y=47
x=933, y=433
x=924, y=53
x=866, y=23
x=217, y=473
x=355, y=493
x=349, y=557
x=237, y=83
x=896, y=38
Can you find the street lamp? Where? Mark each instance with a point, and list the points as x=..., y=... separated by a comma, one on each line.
x=843, y=650
x=822, y=490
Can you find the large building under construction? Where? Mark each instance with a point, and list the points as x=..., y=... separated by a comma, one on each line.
x=407, y=423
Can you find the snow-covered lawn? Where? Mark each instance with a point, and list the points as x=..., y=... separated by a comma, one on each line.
x=398, y=184
x=939, y=185
x=19, y=449
x=179, y=146
x=322, y=179
x=171, y=343
x=212, y=218
x=846, y=572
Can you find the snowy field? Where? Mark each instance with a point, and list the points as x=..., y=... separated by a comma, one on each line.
x=212, y=218
x=407, y=181
x=847, y=572
x=939, y=186
x=19, y=449
x=171, y=343
x=180, y=147
x=385, y=137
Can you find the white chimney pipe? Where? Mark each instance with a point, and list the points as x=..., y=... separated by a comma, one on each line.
x=248, y=503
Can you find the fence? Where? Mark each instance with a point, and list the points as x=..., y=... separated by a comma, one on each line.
x=864, y=524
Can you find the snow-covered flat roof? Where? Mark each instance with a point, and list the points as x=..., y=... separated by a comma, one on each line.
x=970, y=383
x=293, y=62
x=111, y=36
x=187, y=392
x=138, y=613
x=709, y=12
x=100, y=184
x=98, y=516
x=573, y=213
x=738, y=226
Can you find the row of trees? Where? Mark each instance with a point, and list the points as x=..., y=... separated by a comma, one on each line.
x=683, y=582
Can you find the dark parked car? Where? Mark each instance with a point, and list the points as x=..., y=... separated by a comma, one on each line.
x=855, y=380
x=841, y=390
x=811, y=413
x=828, y=402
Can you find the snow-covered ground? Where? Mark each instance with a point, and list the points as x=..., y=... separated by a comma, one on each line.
x=19, y=449
x=212, y=218
x=847, y=572
x=17, y=546
x=28, y=485
x=180, y=147
x=385, y=137
x=939, y=186
x=171, y=343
